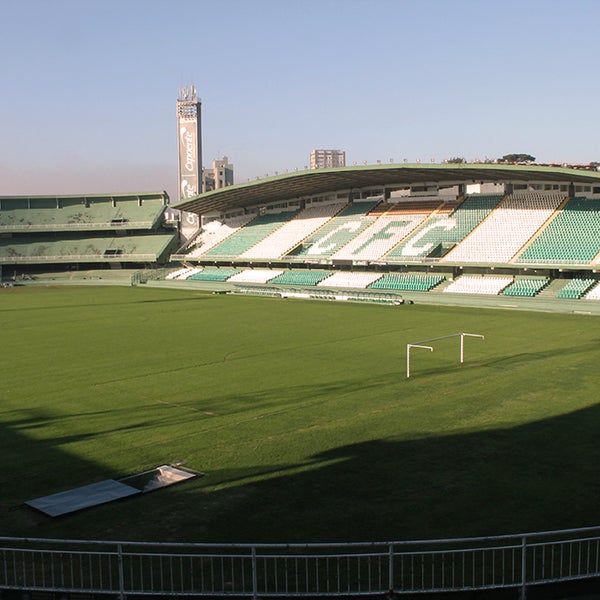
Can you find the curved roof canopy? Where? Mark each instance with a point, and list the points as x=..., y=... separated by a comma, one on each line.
x=323, y=181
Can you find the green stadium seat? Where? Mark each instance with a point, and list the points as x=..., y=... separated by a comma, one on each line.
x=301, y=277
x=441, y=229
x=210, y=274
x=340, y=230
x=527, y=287
x=251, y=234
x=576, y=288
x=415, y=282
x=572, y=237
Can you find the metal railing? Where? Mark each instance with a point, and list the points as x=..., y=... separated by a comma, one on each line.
x=285, y=570
x=86, y=226
x=98, y=257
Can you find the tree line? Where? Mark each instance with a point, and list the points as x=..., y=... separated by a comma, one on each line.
x=507, y=159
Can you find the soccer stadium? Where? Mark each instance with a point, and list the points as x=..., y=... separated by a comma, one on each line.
x=212, y=397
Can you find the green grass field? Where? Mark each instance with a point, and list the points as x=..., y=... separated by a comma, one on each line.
x=299, y=414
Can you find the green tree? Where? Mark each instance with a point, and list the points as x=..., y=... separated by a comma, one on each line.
x=517, y=158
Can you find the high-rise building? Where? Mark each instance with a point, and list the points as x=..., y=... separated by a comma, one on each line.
x=220, y=176
x=189, y=136
x=326, y=159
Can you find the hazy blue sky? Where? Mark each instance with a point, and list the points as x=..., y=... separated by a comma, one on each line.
x=88, y=88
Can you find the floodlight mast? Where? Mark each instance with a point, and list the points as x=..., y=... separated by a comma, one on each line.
x=462, y=336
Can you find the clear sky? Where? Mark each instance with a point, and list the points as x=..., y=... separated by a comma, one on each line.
x=88, y=88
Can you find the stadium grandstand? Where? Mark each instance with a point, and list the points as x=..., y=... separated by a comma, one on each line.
x=505, y=230
x=490, y=229
x=53, y=233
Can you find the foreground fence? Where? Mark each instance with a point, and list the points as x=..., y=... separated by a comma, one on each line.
x=245, y=570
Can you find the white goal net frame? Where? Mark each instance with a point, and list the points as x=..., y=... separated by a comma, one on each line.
x=422, y=345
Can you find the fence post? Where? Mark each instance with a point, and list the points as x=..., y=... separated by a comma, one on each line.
x=523, y=568
x=391, y=570
x=121, y=573
x=254, y=575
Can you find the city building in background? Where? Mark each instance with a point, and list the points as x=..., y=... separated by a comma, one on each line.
x=220, y=176
x=189, y=140
x=327, y=159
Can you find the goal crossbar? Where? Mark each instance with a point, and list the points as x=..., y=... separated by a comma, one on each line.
x=420, y=344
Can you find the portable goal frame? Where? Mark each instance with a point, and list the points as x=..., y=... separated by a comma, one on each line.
x=420, y=344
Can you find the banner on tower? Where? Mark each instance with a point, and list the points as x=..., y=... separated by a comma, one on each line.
x=189, y=168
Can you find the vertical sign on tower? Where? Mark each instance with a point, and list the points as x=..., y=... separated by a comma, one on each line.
x=189, y=143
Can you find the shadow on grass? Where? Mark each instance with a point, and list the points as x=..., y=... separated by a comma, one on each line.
x=523, y=357
x=31, y=470
x=37, y=467
x=449, y=363
x=538, y=476
x=193, y=296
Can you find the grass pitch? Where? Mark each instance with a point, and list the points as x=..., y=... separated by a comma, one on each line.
x=300, y=415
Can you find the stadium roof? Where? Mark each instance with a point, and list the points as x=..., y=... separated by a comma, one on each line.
x=116, y=196
x=322, y=181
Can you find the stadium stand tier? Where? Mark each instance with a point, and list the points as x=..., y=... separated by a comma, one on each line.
x=344, y=279
x=479, y=284
x=222, y=274
x=254, y=276
x=507, y=229
x=118, y=229
x=526, y=286
x=86, y=213
x=572, y=236
x=415, y=282
x=183, y=273
x=216, y=233
x=340, y=230
x=289, y=235
x=380, y=237
x=144, y=248
x=443, y=231
x=576, y=288
x=247, y=237
x=301, y=278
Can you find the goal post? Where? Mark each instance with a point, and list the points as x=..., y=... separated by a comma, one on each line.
x=422, y=343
